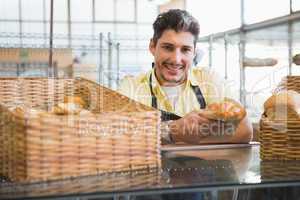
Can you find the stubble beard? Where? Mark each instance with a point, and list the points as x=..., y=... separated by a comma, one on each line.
x=175, y=80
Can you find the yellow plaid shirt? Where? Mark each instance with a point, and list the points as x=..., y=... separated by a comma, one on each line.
x=213, y=89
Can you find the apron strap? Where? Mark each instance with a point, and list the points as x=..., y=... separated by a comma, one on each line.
x=153, y=97
x=199, y=96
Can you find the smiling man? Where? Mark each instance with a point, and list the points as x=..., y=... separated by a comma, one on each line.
x=178, y=90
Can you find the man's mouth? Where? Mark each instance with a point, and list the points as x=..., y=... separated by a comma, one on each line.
x=172, y=67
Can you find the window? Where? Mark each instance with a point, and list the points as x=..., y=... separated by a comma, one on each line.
x=9, y=9
x=60, y=10
x=81, y=10
x=144, y=31
x=126, y=30
x=9, y=27
x=215, y=15
x=103, y=28
x=260, y=10
x=82, y=29
x=104, y=10
x=58, y=28
x=218, y=58
x=34, y=28
x=28, y=5
x=260, y=81
x=115, y=10
x=146, y=12
x=295, y=5
x=125, y=10
x=203, y=54
x=81, y=35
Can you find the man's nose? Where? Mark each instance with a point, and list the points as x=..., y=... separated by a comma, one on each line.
x=177, y=56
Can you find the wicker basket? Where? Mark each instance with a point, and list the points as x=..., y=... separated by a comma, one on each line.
x=120, y=135
x=287, y=169
x=280, y=139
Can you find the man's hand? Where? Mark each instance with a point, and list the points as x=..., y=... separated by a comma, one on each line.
x=190, y=128
x=195, y=128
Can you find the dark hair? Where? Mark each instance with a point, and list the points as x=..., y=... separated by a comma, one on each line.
x=177, y=20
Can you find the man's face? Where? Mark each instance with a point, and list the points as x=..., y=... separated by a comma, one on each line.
x=173, y=54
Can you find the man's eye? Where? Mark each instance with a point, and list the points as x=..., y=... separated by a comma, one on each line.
x=186, y=50
x=168, y=48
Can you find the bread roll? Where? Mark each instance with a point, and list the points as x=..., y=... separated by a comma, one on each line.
x=76, y=100
x=283, y=105
x=227, y=110
x=23, y=112
x=72, y=105
x=67, y=108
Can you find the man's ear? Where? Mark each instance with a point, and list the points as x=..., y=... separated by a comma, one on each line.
x=152, y=47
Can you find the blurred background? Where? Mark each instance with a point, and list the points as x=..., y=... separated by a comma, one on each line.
x=250, y=43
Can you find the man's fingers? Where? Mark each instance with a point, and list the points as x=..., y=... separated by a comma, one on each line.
x=202, y=118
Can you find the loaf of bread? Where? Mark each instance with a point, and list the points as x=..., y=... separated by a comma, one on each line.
x=227, y=110
x=259, y=62
x=283, y=105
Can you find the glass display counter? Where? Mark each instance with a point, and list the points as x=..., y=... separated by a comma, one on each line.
x=203, y=172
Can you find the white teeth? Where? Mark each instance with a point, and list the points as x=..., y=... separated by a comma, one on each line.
x=173, y=66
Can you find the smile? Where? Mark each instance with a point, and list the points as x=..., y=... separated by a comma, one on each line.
x=173, y=67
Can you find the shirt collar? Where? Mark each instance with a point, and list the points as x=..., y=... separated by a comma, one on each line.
x=154, y=80
x=192, y=78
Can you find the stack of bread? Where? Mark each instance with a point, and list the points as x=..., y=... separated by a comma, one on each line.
x=284, y=105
